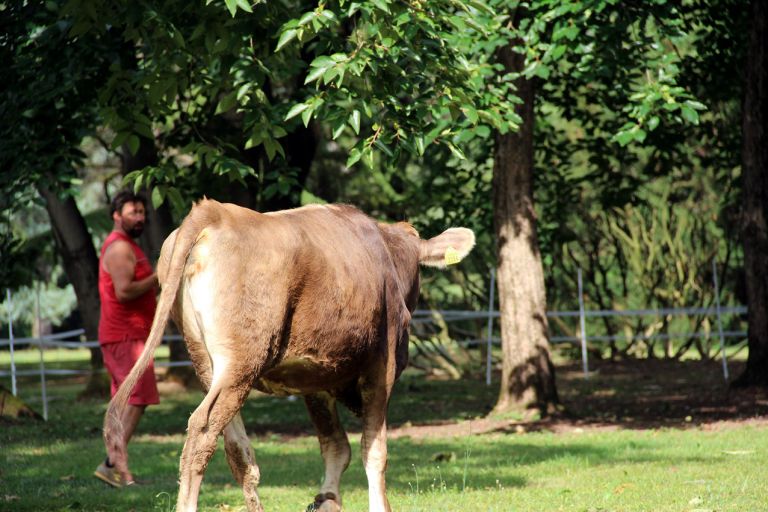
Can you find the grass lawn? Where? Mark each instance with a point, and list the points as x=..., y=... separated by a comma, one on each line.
x=702, y=466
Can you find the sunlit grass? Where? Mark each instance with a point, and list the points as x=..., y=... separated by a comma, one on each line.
x=55, y=356
x=621, y=470
x=49, y=465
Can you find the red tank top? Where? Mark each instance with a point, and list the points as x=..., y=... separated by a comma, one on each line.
x=121, y=321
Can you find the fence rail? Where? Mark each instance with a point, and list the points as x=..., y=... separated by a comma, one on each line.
x=420, y=317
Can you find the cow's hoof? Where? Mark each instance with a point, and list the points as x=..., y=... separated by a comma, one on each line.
x=325, y=503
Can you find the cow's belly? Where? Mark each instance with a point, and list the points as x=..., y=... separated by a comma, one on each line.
x=302, y=375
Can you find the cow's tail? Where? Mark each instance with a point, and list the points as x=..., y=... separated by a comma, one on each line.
x=203, y=214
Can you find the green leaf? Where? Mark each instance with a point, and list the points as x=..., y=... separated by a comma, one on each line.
x=338, y=129
x=286, y=37
x=244, y=5
x=296, y=110
x=330, y=74
x=354, y=121
x=306, y=18
x=382, y=5
x=383, y=147
x=558, y=51
x=272, y=147
x=456, y=151
x=572, y=32
x=315, y=74
x=256, y=138
x=120, y=139
x=243, y=90
x=689, y=114
x=227, y=103
x=232, y=6
x=157, y=196
x=156, y=91
x=133, y=143
x=354, y=156
x=624, y=137
x=328, y=15
x=482, y=6
x=653, y=123
x=176, y=200
x=144, y=130
x=542, y=71
x=419, y=141
x=670, y=106
x=475, y=25
x=483, y=131
x=306, y=115
x=139, y=177
x=471, y=113
x=270, y=190
x=567, y=31
x=131, y=176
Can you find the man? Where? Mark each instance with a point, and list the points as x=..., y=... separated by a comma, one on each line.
x=127, y=287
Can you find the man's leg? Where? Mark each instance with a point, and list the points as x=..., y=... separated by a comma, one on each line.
x=119, y=358
x=131, y=418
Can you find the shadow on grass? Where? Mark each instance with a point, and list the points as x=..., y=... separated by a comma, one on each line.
x=45, y=473
x=48, y=466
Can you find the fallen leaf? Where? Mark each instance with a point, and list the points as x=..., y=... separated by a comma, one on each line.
x=622, y=487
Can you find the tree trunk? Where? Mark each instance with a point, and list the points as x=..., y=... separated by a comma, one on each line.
x=754, y=233
x=81, y=264
x=528, y=376
x=159, y=226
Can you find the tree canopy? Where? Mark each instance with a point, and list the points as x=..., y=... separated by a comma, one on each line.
x=396, y=107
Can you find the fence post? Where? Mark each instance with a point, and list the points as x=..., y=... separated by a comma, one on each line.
x=719, y=319
x=583, y=329
x=43, y=389
x=10, y=338
x=488, y=360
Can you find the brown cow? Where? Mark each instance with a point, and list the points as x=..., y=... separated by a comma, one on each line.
x=314, y=301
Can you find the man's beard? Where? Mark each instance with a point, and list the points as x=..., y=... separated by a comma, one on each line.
x=135, y=231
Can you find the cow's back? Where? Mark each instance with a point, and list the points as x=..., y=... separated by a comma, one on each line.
x=305, y=290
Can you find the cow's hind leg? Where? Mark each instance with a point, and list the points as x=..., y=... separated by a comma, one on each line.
x=334, y=446
x=236, y=443
x=219, y=407
x=375, y=393
x=242, y=461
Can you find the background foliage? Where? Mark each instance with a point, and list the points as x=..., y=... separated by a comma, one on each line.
x=394, y=107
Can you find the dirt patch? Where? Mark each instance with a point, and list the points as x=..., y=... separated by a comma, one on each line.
x=640, y=394
x=636, y=394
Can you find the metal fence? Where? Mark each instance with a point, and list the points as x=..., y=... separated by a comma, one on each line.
x=71, y=339
x=65, y=339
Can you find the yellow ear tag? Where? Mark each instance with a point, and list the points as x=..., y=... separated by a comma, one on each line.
x=452, y=256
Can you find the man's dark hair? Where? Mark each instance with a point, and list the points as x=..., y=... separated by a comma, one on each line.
x=123, y=197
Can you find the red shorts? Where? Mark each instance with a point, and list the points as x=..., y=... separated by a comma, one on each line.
x=119, y=358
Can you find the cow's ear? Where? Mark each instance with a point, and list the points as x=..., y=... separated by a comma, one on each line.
x=447, y=248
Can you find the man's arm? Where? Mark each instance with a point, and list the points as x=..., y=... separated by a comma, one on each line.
x=120, y=262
